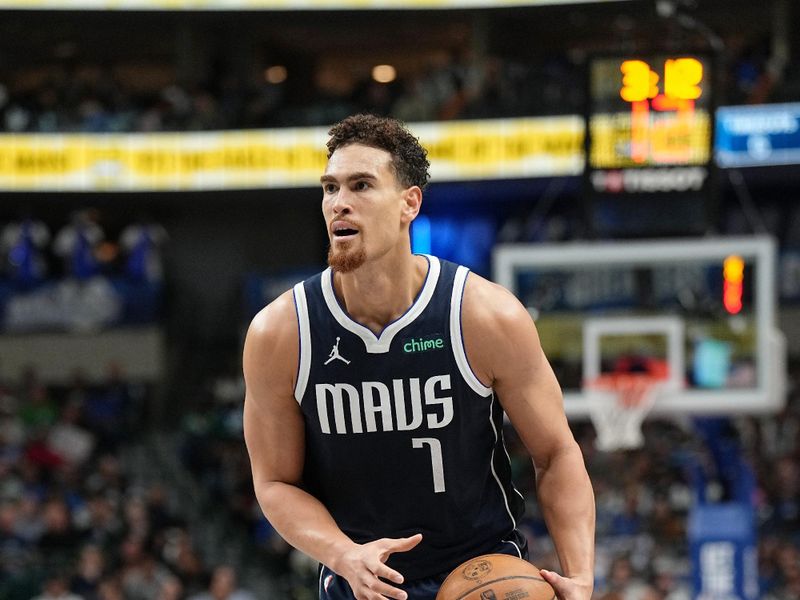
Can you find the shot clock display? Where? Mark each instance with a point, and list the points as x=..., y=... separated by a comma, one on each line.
x=649, y=112
x=649, y=128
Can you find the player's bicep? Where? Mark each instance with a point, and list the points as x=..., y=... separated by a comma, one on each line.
x=273, y=433
x=534, y=406
x=273, y=424
x=530, y=394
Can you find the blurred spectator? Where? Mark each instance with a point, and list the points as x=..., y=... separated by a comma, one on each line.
x=15, y=551
x=22, y=245
x=60, y=541
x=143, y=577
x=783, y=482
x=76, y=244
x=56, y=588
x=37, y=409
x=414, y=104
x=137, y=519
x=107, y=409
x=181, y=556
x=141, y=242
x=29, y=524
x=171, y=589
x=224, y=586
x=205, y=114
x=110, y=589
x=623, y=582
x=12, y=431
x=78, y=390
x=71, y=442
x=108, y=476
x=159, y=511
x=104, y=527
x=628, y=521
x=89, y=572
x=666, y=523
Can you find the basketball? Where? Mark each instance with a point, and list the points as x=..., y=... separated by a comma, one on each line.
x=495, y=577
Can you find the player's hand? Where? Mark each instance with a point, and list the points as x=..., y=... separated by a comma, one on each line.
x=569, y=588
x=364, y=568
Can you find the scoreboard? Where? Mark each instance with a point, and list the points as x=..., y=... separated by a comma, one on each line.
x=650, y=134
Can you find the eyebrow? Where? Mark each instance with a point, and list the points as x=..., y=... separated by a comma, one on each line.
x=352, y=177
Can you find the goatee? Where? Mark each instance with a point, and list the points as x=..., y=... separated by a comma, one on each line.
x=345, y=260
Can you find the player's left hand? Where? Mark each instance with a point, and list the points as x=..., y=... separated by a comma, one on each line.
x=569, y=588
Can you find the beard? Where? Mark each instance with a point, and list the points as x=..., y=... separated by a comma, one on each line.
x=345, y=259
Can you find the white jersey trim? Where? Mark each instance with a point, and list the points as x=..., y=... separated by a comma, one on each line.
x=379, y=344
x=494, y=472
x=456, y=337
x=304, y=359
x=516, y=547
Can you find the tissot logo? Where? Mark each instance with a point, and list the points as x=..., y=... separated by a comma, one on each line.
x=423, y=344
x=674, y=179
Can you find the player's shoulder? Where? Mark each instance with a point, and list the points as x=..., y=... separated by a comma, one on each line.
x=486, y=302
x=497, y=329
x=275, y=321
x=271, y=351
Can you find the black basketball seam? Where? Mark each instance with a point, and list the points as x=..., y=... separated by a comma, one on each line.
x=485, y=583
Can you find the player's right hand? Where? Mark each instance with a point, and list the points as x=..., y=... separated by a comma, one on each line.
x=570, y=588
x=365, y=570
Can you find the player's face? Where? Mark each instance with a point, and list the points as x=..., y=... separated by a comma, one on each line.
x=364, y=205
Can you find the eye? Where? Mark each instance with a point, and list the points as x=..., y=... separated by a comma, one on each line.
x=329, y=188
x=361, y=186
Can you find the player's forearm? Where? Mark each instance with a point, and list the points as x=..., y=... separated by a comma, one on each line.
x=567, y=502
x=303, y=521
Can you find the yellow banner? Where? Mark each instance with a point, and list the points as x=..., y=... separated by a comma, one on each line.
x=270, y=4
x=464, y=150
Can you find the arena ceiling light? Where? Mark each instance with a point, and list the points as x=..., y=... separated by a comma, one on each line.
x=384, y=73
x=275, y=74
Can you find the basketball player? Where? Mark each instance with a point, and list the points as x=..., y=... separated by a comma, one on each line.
x=375, y=399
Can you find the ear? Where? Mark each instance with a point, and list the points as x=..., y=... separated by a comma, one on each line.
x=412, y=202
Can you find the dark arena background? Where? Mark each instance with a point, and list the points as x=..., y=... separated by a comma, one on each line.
x=629, y=168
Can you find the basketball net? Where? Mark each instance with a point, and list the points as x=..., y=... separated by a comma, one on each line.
x=618, y=404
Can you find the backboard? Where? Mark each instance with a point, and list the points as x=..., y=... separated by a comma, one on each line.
x=703, y=308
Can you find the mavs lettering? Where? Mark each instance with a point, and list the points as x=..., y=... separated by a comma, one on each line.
x=377, y=407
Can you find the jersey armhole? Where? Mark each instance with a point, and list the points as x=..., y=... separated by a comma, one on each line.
x=304, y=329
x=457, y=338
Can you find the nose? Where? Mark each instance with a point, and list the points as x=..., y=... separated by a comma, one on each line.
x=341, y=201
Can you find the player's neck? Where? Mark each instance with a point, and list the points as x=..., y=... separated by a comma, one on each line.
x=380, y=291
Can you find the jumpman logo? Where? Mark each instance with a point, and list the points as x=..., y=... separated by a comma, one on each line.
x=335, y=354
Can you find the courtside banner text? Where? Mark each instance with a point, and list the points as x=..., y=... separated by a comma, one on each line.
x=271, y=4
x=282, y=158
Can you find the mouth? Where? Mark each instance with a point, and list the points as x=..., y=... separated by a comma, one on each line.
x=343, y=230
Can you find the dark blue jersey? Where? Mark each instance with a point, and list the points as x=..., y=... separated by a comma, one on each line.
x=401, y=437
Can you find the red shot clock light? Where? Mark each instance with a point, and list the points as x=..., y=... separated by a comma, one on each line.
x=732, y=284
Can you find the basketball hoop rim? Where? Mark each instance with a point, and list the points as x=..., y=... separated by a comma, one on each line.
x=632, y=390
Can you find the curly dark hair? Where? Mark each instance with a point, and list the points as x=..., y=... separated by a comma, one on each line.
x=409, y=158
